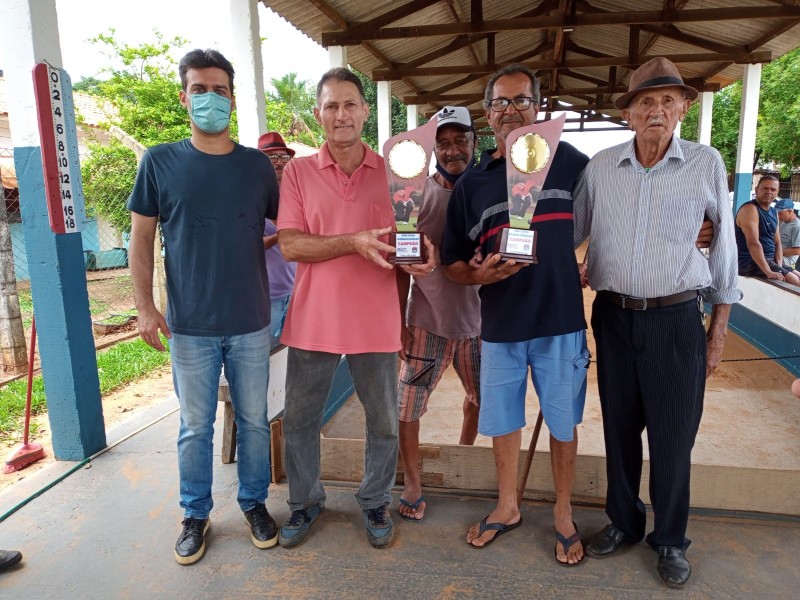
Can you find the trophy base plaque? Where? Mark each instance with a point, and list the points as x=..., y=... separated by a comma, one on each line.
x=409, y=248
x=518, y=245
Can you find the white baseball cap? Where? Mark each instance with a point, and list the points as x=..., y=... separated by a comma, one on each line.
x=454, y=115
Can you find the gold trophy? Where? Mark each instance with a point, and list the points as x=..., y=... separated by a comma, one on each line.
x=529, y=154
x=407, y=156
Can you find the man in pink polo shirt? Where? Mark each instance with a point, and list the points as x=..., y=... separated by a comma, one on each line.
x=334, y=218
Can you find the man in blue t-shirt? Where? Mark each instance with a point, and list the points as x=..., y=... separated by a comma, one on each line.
x=547, y=332
x=211, y=196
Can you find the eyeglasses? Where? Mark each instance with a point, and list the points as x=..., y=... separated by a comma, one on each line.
x=284, y=158
x=520, y=103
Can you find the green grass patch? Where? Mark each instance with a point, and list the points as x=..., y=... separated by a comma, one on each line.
x=116, y=366
x=25, y=307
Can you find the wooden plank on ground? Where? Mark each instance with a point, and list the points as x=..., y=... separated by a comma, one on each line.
x=472, y=468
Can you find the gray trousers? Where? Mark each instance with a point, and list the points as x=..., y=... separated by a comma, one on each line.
x=309, y=377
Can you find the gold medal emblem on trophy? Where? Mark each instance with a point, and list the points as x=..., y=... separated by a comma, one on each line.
x=529, y=154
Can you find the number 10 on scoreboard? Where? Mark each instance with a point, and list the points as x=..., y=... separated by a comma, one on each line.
x=60, y=163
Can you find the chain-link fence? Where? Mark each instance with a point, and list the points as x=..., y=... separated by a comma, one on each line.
x=105, y=255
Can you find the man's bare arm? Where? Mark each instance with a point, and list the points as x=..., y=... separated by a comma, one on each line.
x=297, y=246
x=140, y=257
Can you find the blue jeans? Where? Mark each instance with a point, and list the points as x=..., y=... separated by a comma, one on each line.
x=277, y=319
x=196, y=365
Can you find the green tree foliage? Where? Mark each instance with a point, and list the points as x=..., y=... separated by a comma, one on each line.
x=724, y=123
x=295, y=99
x=108, y=175
x=142, y=85
x=778, y=129
x=780, y=112
x=144, y=88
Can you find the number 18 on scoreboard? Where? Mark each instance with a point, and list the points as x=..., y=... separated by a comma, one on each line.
x=62, y=172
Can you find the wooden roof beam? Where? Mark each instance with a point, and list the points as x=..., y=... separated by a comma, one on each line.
x=391, y=16
x=457, y=18
x=470, y=78
x=602, y=61
x=772, y=34
x=330, y=12
x=471, y=97
x=334, y=16
x=654, y=17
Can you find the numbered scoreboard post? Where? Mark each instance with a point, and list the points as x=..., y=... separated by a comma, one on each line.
x=60, y=162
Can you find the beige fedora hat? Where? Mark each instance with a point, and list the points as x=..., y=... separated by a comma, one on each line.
x=657, y=72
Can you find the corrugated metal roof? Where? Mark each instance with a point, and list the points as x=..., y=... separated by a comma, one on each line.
x=708, y=37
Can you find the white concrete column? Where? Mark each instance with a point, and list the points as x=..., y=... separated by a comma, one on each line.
x=704, y=122
x=412, y=115
x=678, y=128
x=249, y=80
x=384, y=112
x=743, y=175
x=337, y=56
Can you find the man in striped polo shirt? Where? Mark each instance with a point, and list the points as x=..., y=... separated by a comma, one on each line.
x=642, y=203
x=548, y=330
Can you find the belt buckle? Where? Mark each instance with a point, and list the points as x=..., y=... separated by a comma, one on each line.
x=643, y=300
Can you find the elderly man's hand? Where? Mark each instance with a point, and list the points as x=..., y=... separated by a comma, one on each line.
x=367, y=244
x=423, y=269
x=492, y=270
x=705, y=235
x=714, y=347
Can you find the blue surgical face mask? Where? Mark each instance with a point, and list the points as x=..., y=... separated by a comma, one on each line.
x=210, y=111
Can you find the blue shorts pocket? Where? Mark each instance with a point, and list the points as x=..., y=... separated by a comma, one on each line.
x=580, y=368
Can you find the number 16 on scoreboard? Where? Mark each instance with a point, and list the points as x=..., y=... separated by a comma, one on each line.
x=62, y=173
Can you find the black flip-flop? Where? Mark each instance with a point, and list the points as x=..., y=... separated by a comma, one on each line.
x=567, y=543
x=500, y=528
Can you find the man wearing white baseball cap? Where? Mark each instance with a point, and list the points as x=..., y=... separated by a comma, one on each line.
x=441, y=319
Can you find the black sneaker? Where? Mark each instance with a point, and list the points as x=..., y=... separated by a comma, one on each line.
x=263, y=528
x=191, y=544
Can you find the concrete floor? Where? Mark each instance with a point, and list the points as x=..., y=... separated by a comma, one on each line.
x=107, y=531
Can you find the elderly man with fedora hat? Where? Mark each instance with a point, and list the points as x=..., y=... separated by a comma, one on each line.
x=281, y=272
x=642, y=203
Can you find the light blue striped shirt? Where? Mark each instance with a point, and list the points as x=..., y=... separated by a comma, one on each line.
x=643, y=224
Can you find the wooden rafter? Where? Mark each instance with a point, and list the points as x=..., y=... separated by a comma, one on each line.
x=602, y=61
x=424, y=98
x=655, y=17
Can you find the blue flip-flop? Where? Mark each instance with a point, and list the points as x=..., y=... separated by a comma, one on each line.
x=567, y=543
x=413, y=506
x=500, y=528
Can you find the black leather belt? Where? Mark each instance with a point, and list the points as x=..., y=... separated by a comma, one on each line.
x=633, y=303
